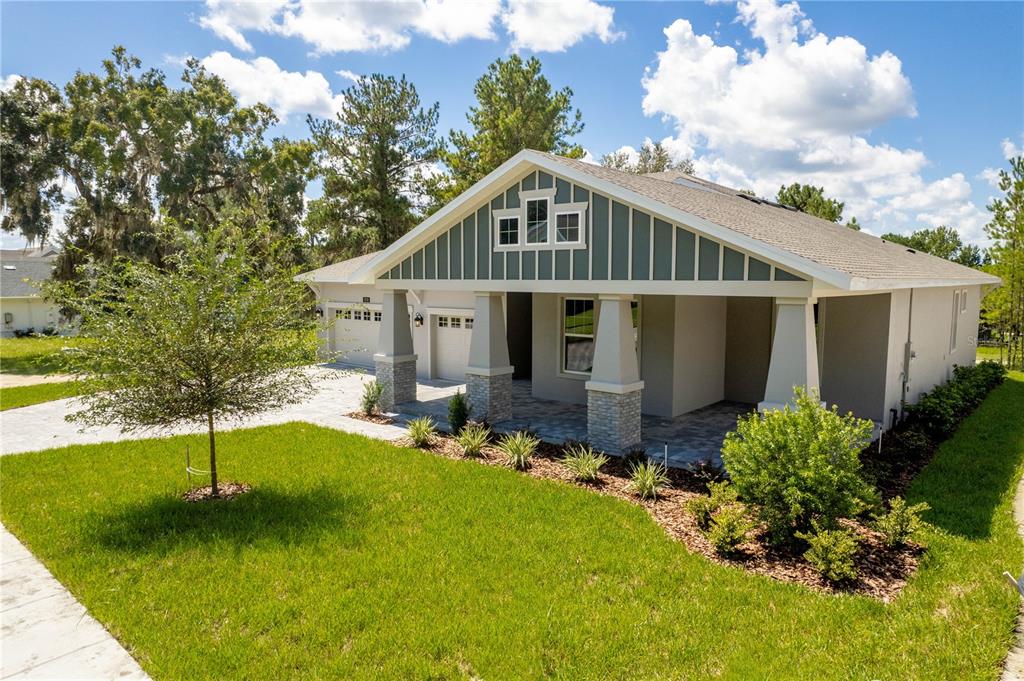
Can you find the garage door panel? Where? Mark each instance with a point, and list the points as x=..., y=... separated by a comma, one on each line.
x=356, y=331
x=452, y=335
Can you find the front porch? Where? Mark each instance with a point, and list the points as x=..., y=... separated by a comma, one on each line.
x=691, y=438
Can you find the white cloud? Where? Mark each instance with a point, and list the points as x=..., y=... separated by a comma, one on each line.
x=800, y=109
x=990, y=175
x=9, y=81
x=1010, y=150
x=332, y=27
x=556, y=26
x=349, y=75
x=286, y=92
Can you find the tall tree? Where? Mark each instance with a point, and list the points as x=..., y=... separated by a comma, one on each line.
x=1003, y=307
x=128, y=147
x=812, y=200
x=943, y=242
x=516, y=109
x=374, y=157
x=653, y=157
x=210, y=336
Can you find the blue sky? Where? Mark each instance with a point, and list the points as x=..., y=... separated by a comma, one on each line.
x=903, y=110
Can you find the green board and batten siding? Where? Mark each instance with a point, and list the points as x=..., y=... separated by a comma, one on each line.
x=621, y=243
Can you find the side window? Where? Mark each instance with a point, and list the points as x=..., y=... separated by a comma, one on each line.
x=508, y=231
x=537, y=221
x=578, y=336
x=567, y=227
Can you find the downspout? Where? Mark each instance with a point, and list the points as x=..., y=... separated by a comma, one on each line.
x=908, y=355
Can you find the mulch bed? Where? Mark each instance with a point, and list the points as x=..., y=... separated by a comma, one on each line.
x=882, y=571
x=379, y=419
x=226, y=490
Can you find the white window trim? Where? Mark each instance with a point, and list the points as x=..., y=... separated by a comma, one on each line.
x=548, y=200
x=554, y=210
x=581, y=227
x=562, y=371
x=504, y=214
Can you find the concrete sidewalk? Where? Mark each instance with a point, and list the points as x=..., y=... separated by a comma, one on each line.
x=46, y=633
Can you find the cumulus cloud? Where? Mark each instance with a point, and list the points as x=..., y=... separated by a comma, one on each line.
x=332, y=27
x=388, y=25
x=348, y=75
x=286, y=92
x=1010, y=150
x=557, y=26
x=9, y=81
x=799, y=108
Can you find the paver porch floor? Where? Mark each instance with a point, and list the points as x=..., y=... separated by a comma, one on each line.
x=691, y=437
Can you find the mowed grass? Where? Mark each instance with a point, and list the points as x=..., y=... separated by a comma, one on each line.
x=986, y=352
x=355, y=559
x=39, y=355
x=24, y=395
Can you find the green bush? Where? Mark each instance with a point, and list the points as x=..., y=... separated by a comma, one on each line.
x=831, y=553
x=458, y=413
x=940, y=410
x=729, y=528
x=472, y=438
x=518, y=448
x=583, y=462
x=901, y=521
x=370, y=401
x=719, y=494
x=798, y=465
x=646, y=479
x=422, y=431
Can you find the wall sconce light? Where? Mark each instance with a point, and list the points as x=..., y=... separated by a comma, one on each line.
x=319, y=312
x=8, y=317
x=418, y=319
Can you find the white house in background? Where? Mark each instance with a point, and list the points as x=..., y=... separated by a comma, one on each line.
x=22, y=309
x=656, y=294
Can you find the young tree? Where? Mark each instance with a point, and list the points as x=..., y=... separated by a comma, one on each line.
x=125, y=147
x=373, y=158
x=516, y=109
x=811, y=200
x=1004, y=306
x=209, y=337
x=943, y=242
x=653, y=157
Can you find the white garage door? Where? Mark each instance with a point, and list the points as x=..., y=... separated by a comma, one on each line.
x=356, y=330
x=451, y=343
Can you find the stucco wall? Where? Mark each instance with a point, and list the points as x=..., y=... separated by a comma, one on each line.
x=854, y=353
x=699, y=351
x=548, y=381
x=748, y=348
x=657, y=354
x=29, y=313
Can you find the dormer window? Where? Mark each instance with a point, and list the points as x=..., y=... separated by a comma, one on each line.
x=537, y=221
x=508, y=231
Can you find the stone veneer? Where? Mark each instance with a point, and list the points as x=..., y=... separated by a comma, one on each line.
x=490, y=397
x=613, y=420
x=398, y=377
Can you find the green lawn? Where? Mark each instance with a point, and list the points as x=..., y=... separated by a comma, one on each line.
x=990, y=353
x=33, y=356
x=24, y=395
x=354, y=559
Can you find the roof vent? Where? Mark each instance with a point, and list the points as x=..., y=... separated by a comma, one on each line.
x=691, y=184
x=10, y=267
x=911, y=250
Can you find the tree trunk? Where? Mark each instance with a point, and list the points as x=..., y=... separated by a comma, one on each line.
x=213, y=457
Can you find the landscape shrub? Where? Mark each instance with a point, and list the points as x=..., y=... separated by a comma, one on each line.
x=518, y=448
x=422, y=431
x=831, y=552
x=900, y=523
x=583, y=462
x=646, y=479
x=370, y=401
x=729, y=528
x=940, y=410
x=472, y=438
x=800, y=464
x=704, y=506
x=458, y=413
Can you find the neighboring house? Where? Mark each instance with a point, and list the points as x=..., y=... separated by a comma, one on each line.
x=657, y=294
x=21, y=306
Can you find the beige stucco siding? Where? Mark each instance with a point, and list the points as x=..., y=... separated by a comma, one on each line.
x=657, y=354
x=854, y=353
x=28, y=313
x=748, y=348
x=700, y=352
x=549, y=382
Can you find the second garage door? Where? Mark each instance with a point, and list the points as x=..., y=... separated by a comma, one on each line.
x=356, y=330
x=451, y=345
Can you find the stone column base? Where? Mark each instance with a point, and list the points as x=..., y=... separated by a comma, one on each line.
x=490, y=394
x=613, y=419
x=398, y=377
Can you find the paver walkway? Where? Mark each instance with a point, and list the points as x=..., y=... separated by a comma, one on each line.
x=17, y=380
x=46, y=633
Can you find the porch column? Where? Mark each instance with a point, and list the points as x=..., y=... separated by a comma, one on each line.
x=395, y=361
x=488, y=373
x=794, y=360
x=614, y=389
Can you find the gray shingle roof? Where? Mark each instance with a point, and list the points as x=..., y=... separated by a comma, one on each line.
x=834, y=246
x=339, y=271
x=18, y=271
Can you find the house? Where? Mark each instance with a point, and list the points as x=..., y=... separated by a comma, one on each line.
x=22, y=307
x=657, y=294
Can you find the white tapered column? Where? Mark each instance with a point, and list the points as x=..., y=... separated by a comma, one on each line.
x=489, y=374
x=614, y=390
x=794, y=360
x=395, y=361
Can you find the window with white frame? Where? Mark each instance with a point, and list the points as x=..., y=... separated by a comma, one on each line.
x=567, y=227
x=578, y=326
x=963, y=300
x=456, y=322
x=344, y=314
x=469, y=322
x=953, y=327
x=508, y=231
x=376, y=316
x=442, y=322
x=536, y=221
